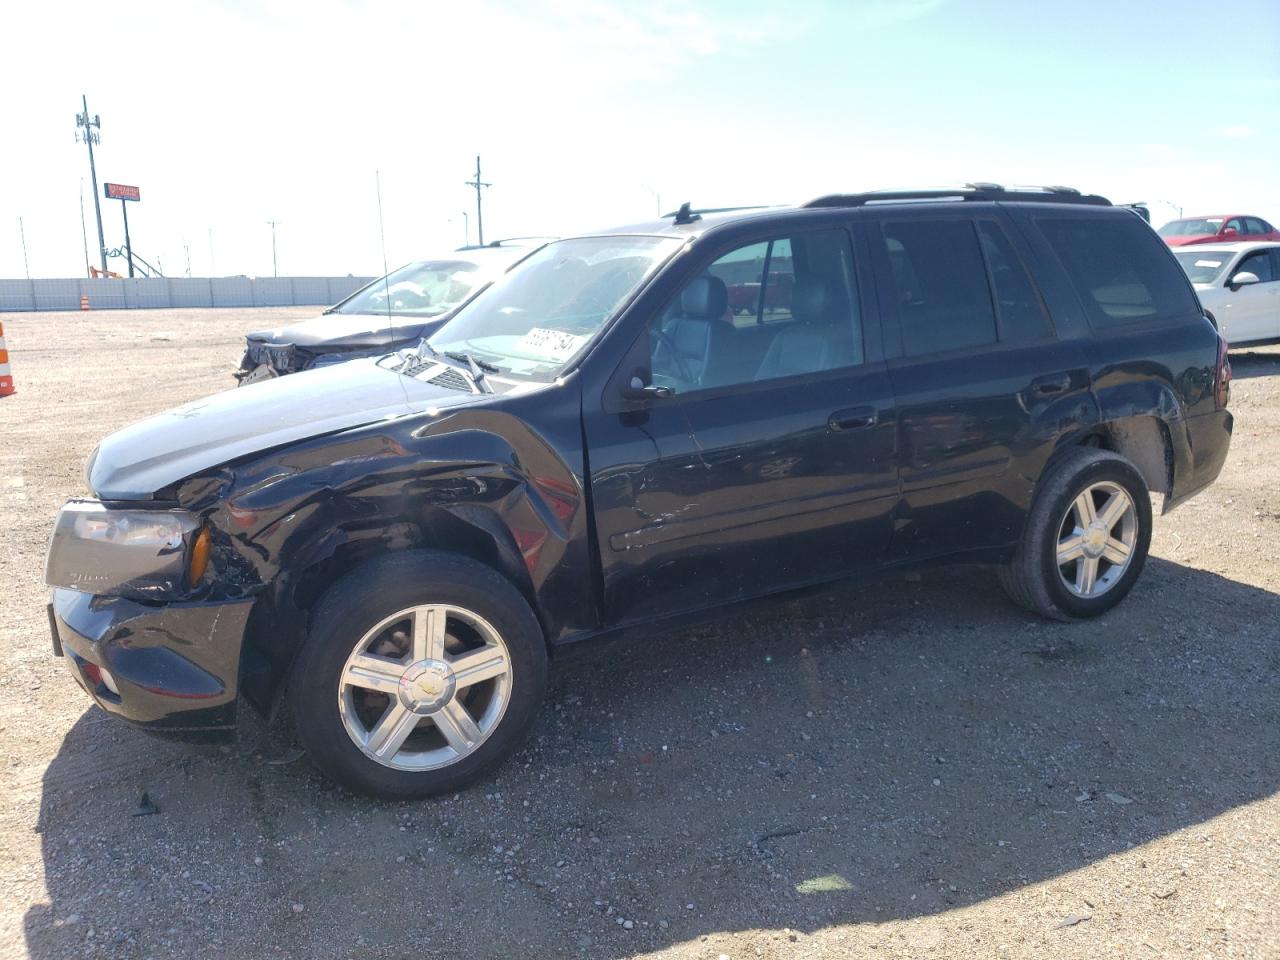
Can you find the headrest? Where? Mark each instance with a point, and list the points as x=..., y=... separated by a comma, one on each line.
x=705, y=298
x=810, y=300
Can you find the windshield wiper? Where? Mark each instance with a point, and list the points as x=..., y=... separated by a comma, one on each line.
x=477, y=368
x=470, y=360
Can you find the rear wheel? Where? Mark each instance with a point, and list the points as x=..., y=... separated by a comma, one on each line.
x=1086, y=537
x=421, y=673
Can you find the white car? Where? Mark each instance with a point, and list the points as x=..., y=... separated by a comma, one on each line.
x=1239, y=286
x=392, y=312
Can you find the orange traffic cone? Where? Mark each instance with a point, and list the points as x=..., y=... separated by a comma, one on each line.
x=6, y=381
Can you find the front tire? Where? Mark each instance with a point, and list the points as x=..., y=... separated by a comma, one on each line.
x=1086, y=537
x=421, y=673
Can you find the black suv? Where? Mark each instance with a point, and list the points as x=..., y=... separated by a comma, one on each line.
x=649, y=422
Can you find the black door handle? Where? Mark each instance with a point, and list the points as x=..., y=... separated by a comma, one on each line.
x=1052, y=385
x=855, y=418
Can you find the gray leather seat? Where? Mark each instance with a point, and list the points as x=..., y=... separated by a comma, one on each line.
x=689, y=331
x=820, y=336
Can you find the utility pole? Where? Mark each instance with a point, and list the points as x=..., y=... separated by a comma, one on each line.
x=91, y=126
x=22, y=230
x=84, y=231
x=478, y=183
x=273, y=223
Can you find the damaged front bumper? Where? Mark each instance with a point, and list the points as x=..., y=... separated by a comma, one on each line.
x=171, y=669
x=265, y=360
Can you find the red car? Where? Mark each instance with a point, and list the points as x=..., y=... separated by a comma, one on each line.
x=1217, y=229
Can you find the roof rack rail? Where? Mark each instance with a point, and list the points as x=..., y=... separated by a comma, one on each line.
x=698, y=212
x=970, y=191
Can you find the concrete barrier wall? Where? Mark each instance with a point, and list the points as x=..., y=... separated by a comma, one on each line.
x=144, y=292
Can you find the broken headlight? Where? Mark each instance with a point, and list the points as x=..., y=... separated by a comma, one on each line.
x=121, y=552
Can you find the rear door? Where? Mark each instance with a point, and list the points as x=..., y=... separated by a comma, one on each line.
x=769, y=460
x=981, y=381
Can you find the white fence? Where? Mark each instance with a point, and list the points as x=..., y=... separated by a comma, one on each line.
x=109, y=294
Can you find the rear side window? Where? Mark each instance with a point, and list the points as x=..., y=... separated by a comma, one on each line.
x=1018, y=308
x=1121, y=270
x=940, y=285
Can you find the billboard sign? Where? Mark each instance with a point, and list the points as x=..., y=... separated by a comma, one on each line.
x=120, y=191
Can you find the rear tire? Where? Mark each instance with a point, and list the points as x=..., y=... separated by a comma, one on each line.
x=421, y=673
x=1086, y=537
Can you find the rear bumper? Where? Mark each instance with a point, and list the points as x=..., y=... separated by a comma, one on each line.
x=1208, y=440
x=175, y=667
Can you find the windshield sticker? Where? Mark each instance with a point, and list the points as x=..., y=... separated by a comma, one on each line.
x=550, y=344
x=1208, y=263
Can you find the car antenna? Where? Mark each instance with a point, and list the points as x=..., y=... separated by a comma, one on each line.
x=685, y=214
x=386, y=278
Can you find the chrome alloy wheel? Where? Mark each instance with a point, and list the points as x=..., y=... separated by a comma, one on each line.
x=1096, y=539
x=425, y=687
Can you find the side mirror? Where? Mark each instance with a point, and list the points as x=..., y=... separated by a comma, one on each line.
x=637, y=389
x=1229, y=232
x=1242, y=279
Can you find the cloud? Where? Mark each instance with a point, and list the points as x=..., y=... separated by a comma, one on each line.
x=660, y=35
x=1159, y=152
x=878, y=12
x=1237, y=131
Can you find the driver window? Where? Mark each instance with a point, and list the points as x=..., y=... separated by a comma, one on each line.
x=1256, y=263
x=781, y=308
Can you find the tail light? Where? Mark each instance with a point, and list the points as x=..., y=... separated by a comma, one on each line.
x=1222, y=376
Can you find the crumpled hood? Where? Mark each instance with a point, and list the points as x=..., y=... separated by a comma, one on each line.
x=133, y=463
x=348, y=330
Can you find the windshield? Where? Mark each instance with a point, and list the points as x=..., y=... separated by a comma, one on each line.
x=425, y=289
x=541, y=315
x=1190, y=228
x=1203, y=267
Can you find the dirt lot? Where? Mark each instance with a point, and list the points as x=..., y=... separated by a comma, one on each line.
x=906, y=769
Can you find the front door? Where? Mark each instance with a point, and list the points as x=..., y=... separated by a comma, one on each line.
x=765, y=459
x=1251, y=311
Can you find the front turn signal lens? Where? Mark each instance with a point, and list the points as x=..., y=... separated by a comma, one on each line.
x=199, y=557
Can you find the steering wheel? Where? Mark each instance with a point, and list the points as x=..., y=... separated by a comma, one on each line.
x=664, y=340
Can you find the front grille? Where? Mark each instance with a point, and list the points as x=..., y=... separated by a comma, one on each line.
x=278, y=355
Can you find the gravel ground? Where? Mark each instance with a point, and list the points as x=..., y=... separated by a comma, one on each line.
x=906, y=769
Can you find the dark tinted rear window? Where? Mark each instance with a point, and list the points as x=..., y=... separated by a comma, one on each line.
x=1122, y=271
x=940, y=284
x=1022, y=318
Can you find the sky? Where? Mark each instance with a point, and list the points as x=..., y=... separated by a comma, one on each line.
x=590, y=113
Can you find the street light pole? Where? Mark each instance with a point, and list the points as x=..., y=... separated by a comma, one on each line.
x=466, y=229
x=22, y=230
x=274, y=271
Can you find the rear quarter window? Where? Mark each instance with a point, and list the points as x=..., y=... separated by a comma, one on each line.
x=1121, y=270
